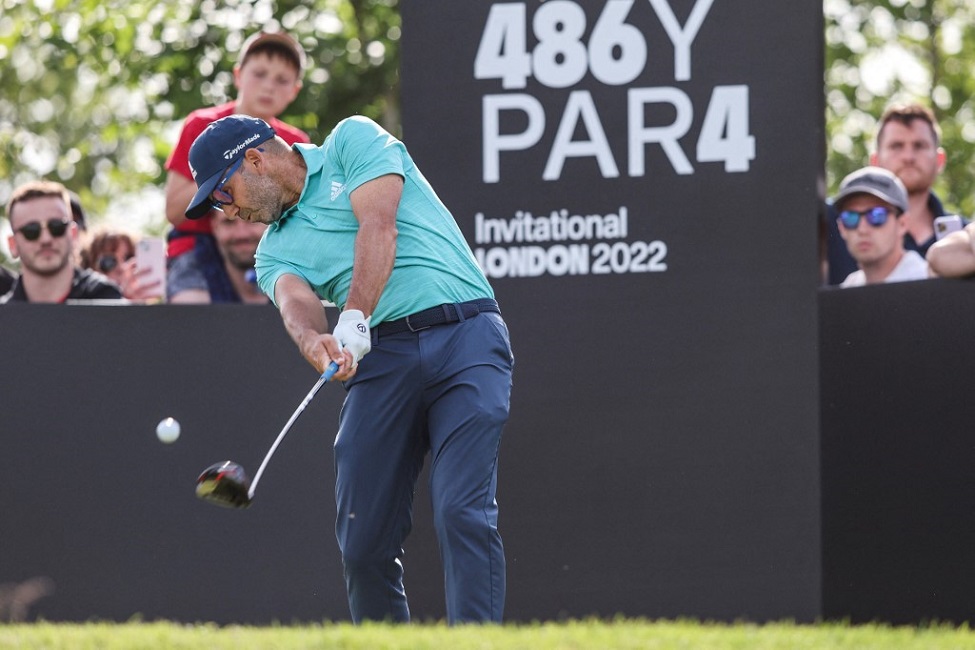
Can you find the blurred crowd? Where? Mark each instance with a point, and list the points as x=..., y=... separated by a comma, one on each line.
x=63, y=259
x=207, y=260
x=885, y=224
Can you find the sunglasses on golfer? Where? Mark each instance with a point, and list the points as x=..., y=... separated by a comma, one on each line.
x=220, y=196
x=876, y=217
x=32, y=230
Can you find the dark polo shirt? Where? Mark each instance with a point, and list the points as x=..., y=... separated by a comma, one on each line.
x=85, y=285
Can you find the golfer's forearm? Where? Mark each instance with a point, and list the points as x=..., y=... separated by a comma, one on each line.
x=374, y=204
x=306, y=324
x=375, y=252
x=303, y=320
x=301, y=310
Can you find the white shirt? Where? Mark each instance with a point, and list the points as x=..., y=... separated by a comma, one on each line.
x=911, y=267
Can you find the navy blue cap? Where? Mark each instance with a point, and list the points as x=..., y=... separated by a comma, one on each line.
x=220, y=145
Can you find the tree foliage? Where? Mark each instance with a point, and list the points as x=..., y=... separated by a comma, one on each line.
x=94, y=91
x=879, y=51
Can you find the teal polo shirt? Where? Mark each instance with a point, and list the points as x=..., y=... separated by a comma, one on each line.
x=315, y=238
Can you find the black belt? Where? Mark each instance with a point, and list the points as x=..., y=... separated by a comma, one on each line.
x=439, y=315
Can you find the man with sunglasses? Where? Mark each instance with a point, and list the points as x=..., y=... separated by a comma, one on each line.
x=420, y=344
x=870, y=207
x=44, y=237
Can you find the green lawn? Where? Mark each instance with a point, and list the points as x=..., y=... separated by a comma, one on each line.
x=575, y=635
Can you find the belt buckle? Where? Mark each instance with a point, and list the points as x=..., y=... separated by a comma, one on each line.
x=415, y=329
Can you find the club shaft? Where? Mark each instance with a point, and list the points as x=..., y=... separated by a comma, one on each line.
x=332, y=368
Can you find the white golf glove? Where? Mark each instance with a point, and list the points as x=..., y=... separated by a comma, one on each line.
x=352, y=331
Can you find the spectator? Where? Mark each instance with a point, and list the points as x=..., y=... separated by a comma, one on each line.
x=112, y=253
x=237, y=242
x=268, y=78
x=871, y=204
x=45, y=238
x=908, y=144
x=106, y=251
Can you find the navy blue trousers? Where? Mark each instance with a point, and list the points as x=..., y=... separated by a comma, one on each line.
x=443, y=391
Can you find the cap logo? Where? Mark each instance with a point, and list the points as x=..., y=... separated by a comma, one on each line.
x=230, y=153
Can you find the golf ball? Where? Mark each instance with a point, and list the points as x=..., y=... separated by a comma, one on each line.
x=167, y=430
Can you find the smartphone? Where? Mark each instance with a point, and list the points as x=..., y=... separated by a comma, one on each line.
x=150, y=253
x=946, y=224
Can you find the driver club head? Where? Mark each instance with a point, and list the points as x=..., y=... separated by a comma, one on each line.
x=224, y=484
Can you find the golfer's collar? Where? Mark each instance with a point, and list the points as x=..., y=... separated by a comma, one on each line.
x=314, y=157
x=314, y=163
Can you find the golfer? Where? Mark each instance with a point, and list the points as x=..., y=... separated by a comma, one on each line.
x=420, y=343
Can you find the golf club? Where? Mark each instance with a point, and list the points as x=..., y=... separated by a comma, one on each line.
x=226, y=483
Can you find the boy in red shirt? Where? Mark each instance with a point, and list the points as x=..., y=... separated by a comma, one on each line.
x=268, y=77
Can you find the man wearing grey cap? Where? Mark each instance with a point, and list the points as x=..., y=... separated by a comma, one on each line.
x=870, y=205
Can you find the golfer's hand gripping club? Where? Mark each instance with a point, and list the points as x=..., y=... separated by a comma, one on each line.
x=352, y=333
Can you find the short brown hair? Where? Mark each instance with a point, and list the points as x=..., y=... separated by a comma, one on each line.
x=273, y=45
x=38, y=189
x=906, y=114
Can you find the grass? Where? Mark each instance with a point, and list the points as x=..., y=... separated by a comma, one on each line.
x=622, y=634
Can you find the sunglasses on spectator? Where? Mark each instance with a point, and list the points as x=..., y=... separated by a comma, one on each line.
x=876, y=217
x=109, y=263
x=32, y=230
x=220, y=196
